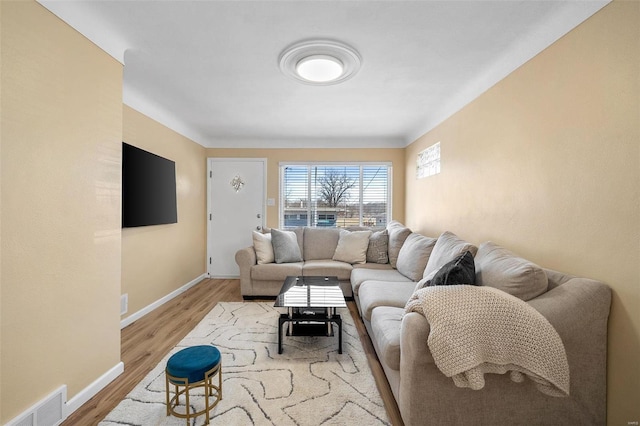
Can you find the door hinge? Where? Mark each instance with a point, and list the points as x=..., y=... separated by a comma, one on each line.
x=209, y=261
x=210, y=174
x=209, y=216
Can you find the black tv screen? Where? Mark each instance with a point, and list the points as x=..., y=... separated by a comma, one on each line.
x=148, y=188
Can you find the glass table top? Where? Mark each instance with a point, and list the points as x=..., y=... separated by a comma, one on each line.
x=310, y=292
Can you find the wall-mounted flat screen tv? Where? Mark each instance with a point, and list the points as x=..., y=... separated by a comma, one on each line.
x=148, y=188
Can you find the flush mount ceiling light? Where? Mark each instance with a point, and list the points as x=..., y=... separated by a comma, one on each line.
x=320, y=62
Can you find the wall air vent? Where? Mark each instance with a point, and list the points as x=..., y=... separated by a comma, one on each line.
x=47, y=412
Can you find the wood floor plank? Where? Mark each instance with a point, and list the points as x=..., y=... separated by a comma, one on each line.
x=145, y=342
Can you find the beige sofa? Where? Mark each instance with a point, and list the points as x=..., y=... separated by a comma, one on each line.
x=578, y=309
x=317, y=246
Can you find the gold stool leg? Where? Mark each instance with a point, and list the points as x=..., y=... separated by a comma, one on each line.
x=166, y=389
x=207, y=394
x=209, y=387
x=186, y=392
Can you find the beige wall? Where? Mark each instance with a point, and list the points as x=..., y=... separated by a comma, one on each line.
x=157, y=260
x=275, y=156
x=61, y=149
x=547, y=163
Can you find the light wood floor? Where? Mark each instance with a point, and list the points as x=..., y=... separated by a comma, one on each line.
x=148, y=340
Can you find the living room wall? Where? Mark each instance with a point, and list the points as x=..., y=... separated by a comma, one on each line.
x=547, y=163
x=275, y=156
x=157, y=260
x=61, y=130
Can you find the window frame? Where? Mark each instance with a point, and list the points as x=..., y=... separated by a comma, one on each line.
x=310, y=164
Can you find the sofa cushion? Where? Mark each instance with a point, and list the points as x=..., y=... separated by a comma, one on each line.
x=414, y=255
x=362, y=274
x=275, y=272
x=448, y=247
x=397, y=234
x=285, y=246
x=263, y=247
x=320, y=243
x=385, y=324
x=352, y=246
x=460, y=270
x=378, y=250
x=383, y=293
x=327, y=268
x=498, y=267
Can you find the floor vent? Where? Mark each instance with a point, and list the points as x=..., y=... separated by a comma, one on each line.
x=48, y=412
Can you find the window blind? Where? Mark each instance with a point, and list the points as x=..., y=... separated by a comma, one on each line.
x=335, y=195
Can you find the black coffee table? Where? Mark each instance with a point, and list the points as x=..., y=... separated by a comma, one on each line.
x=311, y=304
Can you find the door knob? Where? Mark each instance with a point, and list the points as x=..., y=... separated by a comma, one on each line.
x=258, y=227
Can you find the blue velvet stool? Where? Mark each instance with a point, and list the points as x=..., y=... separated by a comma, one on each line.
x=192, y=368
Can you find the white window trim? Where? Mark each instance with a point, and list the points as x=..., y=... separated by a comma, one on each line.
x=310, y=164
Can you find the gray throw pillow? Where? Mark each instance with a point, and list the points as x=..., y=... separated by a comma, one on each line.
x=285, y=246
x=499, y=268
x=414, y=255
x=378, y=249
x=397, y=234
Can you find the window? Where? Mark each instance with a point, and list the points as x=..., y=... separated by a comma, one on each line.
x=428, y=162
x=335, y=195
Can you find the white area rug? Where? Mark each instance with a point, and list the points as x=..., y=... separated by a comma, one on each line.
x=309, y=384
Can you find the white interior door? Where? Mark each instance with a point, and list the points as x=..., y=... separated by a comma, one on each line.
x=236, y=204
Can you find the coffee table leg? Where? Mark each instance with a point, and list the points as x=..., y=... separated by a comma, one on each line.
x=339, y=322
x=280, y=321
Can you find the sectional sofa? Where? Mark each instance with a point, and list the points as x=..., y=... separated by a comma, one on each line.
x=392, y=283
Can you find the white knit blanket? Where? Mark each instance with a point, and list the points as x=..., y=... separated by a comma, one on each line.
x=480, y=330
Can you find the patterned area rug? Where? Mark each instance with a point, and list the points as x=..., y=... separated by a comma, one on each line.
x=309, y=384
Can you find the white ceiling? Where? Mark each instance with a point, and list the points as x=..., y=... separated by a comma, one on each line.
x=209, y=69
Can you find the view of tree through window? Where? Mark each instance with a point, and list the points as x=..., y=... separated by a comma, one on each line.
x=335, y=195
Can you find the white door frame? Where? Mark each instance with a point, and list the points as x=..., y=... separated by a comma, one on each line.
x=210, y=163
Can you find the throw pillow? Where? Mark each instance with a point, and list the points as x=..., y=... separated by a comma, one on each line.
x=414, y=255
x=352, y=247
x=502, y=269
x=448, y=247
x=285, y=246
x=378, y=251
x=398, y=233
x=460, y=270
x=263, y=247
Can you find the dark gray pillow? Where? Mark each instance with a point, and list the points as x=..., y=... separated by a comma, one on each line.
x=460, y=270
x=285, y=246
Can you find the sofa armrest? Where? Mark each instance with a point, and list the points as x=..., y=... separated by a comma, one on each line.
x=246, y=258
x=415, y=361
x=578, y=309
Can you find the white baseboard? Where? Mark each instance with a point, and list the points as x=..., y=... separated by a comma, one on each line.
x=90, y=391
x=144, y=311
